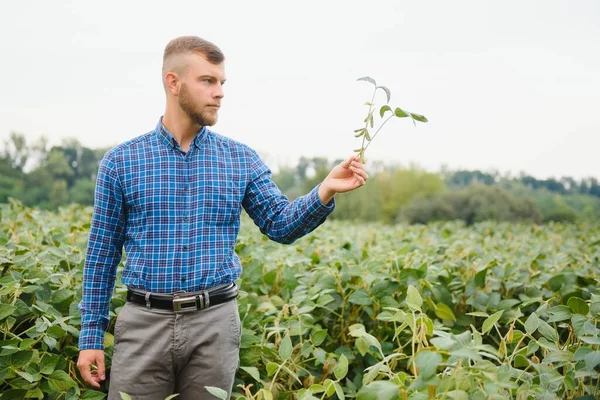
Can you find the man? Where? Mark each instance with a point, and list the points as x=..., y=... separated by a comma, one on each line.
x=173, y=199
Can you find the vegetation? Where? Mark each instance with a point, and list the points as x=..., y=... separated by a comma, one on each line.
x=494, y=310
x=48, y=178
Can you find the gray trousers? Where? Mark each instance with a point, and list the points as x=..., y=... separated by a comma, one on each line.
x=159, y=352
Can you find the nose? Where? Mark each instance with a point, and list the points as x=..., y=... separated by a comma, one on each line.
x=219, y=94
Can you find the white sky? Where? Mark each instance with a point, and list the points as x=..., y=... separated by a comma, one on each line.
x=507, y=85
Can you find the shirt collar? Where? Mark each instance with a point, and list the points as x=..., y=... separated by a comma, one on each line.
x=168, y=138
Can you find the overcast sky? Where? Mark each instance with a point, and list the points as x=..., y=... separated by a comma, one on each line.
x=506, y=85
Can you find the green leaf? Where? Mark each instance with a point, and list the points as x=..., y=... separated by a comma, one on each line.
x=387, y=92
x=14, y=394
x=413, y=298
x=27, y=376
x=50, y=342
x=427, y=363
x=341, y=369
x=400, y=113
x=547, y=331
x=285, y=348
x=488, y=324
x=478, y=314
x=318, y=337
x=35, y=394
x=217, y=392
x=325, y=299
x=578, y=306
x=339, y=391
x=372, y=372
x=458, y=395
x=418, y=117
x=384, y=109
x=316, y=388
x=466, y=353
x=590, y=340
x=21, y=358
x=379, y=390
x=559, y=357
x=253, y=372
x=362, y=345
x=480, y=277
x=591, y=360
x=171, y=397
x=60, y=381
x=359, y=133
x=266, y=393
x=329, y=387
x=6, y=310
x=93, y=395
x=559, y=313
x=360, y=297
x=271, y=368
x=61, y=295
x=368, y=79
x=581, y=353
x=444, y=312
x=532, y=323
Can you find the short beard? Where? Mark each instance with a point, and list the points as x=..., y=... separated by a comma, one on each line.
x=187, y=105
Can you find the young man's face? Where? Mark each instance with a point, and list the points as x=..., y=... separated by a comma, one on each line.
x=202, y=90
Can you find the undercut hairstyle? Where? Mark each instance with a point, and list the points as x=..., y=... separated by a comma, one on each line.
x=190, y=45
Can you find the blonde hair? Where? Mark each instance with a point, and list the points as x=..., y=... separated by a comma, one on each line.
x=190, y=45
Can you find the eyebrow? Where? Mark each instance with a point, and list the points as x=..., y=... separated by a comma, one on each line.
x=211, y=77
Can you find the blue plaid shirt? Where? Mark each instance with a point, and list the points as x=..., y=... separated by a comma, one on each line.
x=178, y=215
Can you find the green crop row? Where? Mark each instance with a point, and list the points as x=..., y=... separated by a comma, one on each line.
x=444, y=311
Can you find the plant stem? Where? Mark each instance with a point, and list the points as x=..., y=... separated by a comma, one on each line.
x=367, y=121
x=275, y=376
x=378, y=129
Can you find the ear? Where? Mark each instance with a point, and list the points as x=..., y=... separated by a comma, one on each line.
x=172, y=83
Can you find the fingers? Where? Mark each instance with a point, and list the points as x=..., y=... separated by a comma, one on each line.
x=100, y=365
x=346, y=164
x=359, y=172
x=87, y=358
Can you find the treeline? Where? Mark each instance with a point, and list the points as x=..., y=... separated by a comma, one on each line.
x=49, y=177
x=413, y=195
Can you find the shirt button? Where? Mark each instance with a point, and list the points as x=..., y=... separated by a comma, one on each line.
x=185, y=247
x=186, y=188
x=182, y=279
x=186, y=218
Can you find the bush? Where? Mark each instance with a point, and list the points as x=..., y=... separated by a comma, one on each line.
x=474, y=204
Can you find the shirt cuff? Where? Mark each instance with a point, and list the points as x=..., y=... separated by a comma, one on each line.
x=91, y=339
x=316, y=206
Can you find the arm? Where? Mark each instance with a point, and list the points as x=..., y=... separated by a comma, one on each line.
x=104, y=252
x=278, y=218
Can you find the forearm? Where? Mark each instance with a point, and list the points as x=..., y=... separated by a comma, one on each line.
x=325, y=194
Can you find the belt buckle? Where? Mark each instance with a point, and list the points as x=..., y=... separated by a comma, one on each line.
x=188, y=304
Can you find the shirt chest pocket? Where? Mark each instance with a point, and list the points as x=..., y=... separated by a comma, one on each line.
x=220, y=203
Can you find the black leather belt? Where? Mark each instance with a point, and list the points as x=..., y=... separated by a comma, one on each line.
x=182, y=302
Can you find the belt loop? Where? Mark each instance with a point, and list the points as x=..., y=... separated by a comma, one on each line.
x=147, y=300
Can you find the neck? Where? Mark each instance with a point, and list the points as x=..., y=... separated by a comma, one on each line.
x=181, y=127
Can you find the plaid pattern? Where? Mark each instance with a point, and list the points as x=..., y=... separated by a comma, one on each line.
x=178, y=216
